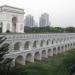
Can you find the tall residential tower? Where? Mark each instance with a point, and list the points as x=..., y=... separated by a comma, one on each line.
x=29, y=21
x=44, y=20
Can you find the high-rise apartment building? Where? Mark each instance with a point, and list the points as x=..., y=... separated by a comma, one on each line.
x=44, y=20
x=29, y=21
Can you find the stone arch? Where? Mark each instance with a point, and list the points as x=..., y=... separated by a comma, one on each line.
x=61, y=40
x=68, y=45
x=54, y=51
x=44, y=54
x=17, y=46
x=59, y=49
x=53, y=40
x=57, y=40
x=48, y=41
x=37, y=56
x=26, y=45
x=64, y=40
x=35, y=43
x=49, y=52
x=29, y=58
x=14, y=23
x=62, y=47
x=8, y=27
x=19, y=60
x=42, y=43
x=74, y=43
x=71, y=44
x=65, y=46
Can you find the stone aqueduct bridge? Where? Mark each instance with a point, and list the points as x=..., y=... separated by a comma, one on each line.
x=30, y=47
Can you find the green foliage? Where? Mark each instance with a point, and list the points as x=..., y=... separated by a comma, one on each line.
x=70, y=29
x=3, y=49
x=34, y=69
x=43, y=29
x=48, y=29
x=4, y=63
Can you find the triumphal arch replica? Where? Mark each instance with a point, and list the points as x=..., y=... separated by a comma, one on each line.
x=12, y=19
x=24, y=47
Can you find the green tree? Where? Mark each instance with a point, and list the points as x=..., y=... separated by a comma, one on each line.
x=70, y=29
x=4, y=63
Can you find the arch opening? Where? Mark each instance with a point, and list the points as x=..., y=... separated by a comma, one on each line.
x=48, y=41
x=8, y=28
x=35, y=43
x=37, y=56
x=54, y=51
x=59, y=50
x=62, y=48
x=19, y=60
x=65, y=46
x=43, y=54
x=14, y=23
x=68, y=45
x=49, y=52
x=42, y=43
x=71, y=44
x=17, y=46
x=26, y=46
x=29, y=58
x=53, y=41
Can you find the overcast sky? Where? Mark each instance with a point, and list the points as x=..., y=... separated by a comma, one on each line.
x=62, y=12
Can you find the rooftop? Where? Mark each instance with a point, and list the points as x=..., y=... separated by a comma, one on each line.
x=11, y=7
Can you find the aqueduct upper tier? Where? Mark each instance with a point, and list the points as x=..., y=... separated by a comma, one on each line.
x=31, y=47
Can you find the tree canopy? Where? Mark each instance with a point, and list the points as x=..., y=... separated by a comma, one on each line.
x=49, y=30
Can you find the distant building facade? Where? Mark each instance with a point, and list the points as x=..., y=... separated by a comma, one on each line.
x=44, y=20
x=29, y=21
